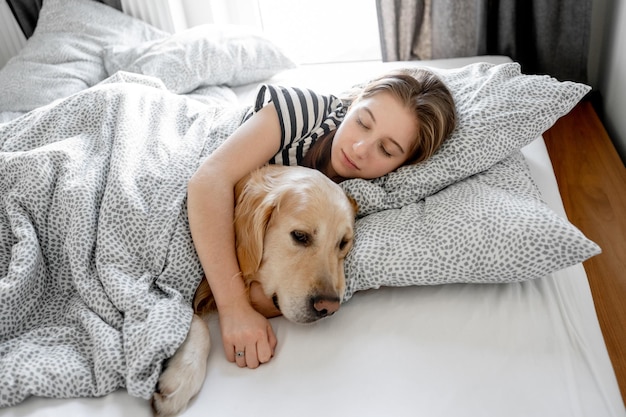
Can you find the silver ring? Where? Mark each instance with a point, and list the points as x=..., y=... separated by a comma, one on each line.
x=240, y=354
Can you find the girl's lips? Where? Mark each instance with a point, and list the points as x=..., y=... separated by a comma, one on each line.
x=348, y=161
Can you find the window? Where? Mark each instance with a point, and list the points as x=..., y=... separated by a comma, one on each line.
x=322, y=30
x=310, y=31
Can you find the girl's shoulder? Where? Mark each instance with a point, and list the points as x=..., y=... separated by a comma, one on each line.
x=294, y=96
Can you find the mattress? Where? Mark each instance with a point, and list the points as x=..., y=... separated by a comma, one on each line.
x=526, y=348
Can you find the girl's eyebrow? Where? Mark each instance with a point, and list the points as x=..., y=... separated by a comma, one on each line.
x=370, y=113
x=392, y=140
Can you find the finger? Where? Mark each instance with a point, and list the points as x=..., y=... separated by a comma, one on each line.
x=266, y=348
x=272, y=338
x=240, y=357
x=230, y=352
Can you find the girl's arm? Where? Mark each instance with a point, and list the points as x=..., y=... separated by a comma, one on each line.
x=211, y=210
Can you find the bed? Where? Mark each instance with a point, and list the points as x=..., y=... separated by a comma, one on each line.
x=466, y=292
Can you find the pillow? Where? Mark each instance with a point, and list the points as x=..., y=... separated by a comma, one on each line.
x=490, y=228
x=200, y=56
x=499, y=109
x=64, y=55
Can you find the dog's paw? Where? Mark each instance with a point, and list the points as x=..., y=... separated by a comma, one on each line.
x=172, y=394
x=165, y=404
x=184, y=374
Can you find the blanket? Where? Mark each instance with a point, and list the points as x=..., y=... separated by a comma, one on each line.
x=97, y=264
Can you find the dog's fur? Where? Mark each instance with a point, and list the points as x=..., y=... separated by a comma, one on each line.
x=293, y=228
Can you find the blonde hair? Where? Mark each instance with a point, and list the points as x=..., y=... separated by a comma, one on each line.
x=419, y=90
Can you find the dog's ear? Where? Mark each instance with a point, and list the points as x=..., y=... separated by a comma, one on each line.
x=353, y=203
x=253, y=209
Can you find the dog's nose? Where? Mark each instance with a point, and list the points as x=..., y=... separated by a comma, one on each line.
x=324, y=305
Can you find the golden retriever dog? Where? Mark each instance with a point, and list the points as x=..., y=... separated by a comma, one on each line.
x=293, y=229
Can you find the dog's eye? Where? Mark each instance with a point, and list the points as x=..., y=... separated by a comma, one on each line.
x=343, y=244
x=300, y=237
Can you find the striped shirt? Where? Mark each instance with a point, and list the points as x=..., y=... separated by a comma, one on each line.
x=304, y=117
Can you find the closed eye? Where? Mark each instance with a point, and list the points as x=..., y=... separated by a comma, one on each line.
x=301, y=238
x=360, y=123
x=384, y=150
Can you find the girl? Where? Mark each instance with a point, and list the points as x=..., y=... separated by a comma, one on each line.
x=394, y=120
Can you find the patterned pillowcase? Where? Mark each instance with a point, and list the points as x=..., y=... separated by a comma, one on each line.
x=202, y=56
x=500, y=110
x=64, y=55
x=490, y=228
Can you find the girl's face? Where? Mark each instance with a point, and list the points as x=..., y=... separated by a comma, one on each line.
x=374, y=138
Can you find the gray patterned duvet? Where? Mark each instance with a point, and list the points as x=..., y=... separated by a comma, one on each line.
x=97, y=268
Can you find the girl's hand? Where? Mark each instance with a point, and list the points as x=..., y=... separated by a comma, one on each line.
x=246, y=330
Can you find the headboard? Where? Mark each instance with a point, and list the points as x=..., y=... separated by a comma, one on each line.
x=26, y=12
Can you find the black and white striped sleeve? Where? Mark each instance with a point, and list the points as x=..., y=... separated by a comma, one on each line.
x=300, y=111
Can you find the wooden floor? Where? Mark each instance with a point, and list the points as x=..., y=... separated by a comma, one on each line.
x=592, y=182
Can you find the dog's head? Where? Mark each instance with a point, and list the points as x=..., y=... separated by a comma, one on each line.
x=294, y=227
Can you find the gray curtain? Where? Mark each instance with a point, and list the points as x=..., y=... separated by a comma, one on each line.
x=544, y=36
x=26, y=12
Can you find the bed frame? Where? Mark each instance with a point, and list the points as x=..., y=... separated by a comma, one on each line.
x=592, y=182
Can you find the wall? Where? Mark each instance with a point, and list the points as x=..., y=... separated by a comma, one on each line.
x=607, y=68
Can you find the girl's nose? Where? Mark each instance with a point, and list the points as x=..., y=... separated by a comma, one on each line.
x=360, y=148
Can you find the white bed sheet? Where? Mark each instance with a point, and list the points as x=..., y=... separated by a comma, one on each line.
x=525, y=349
